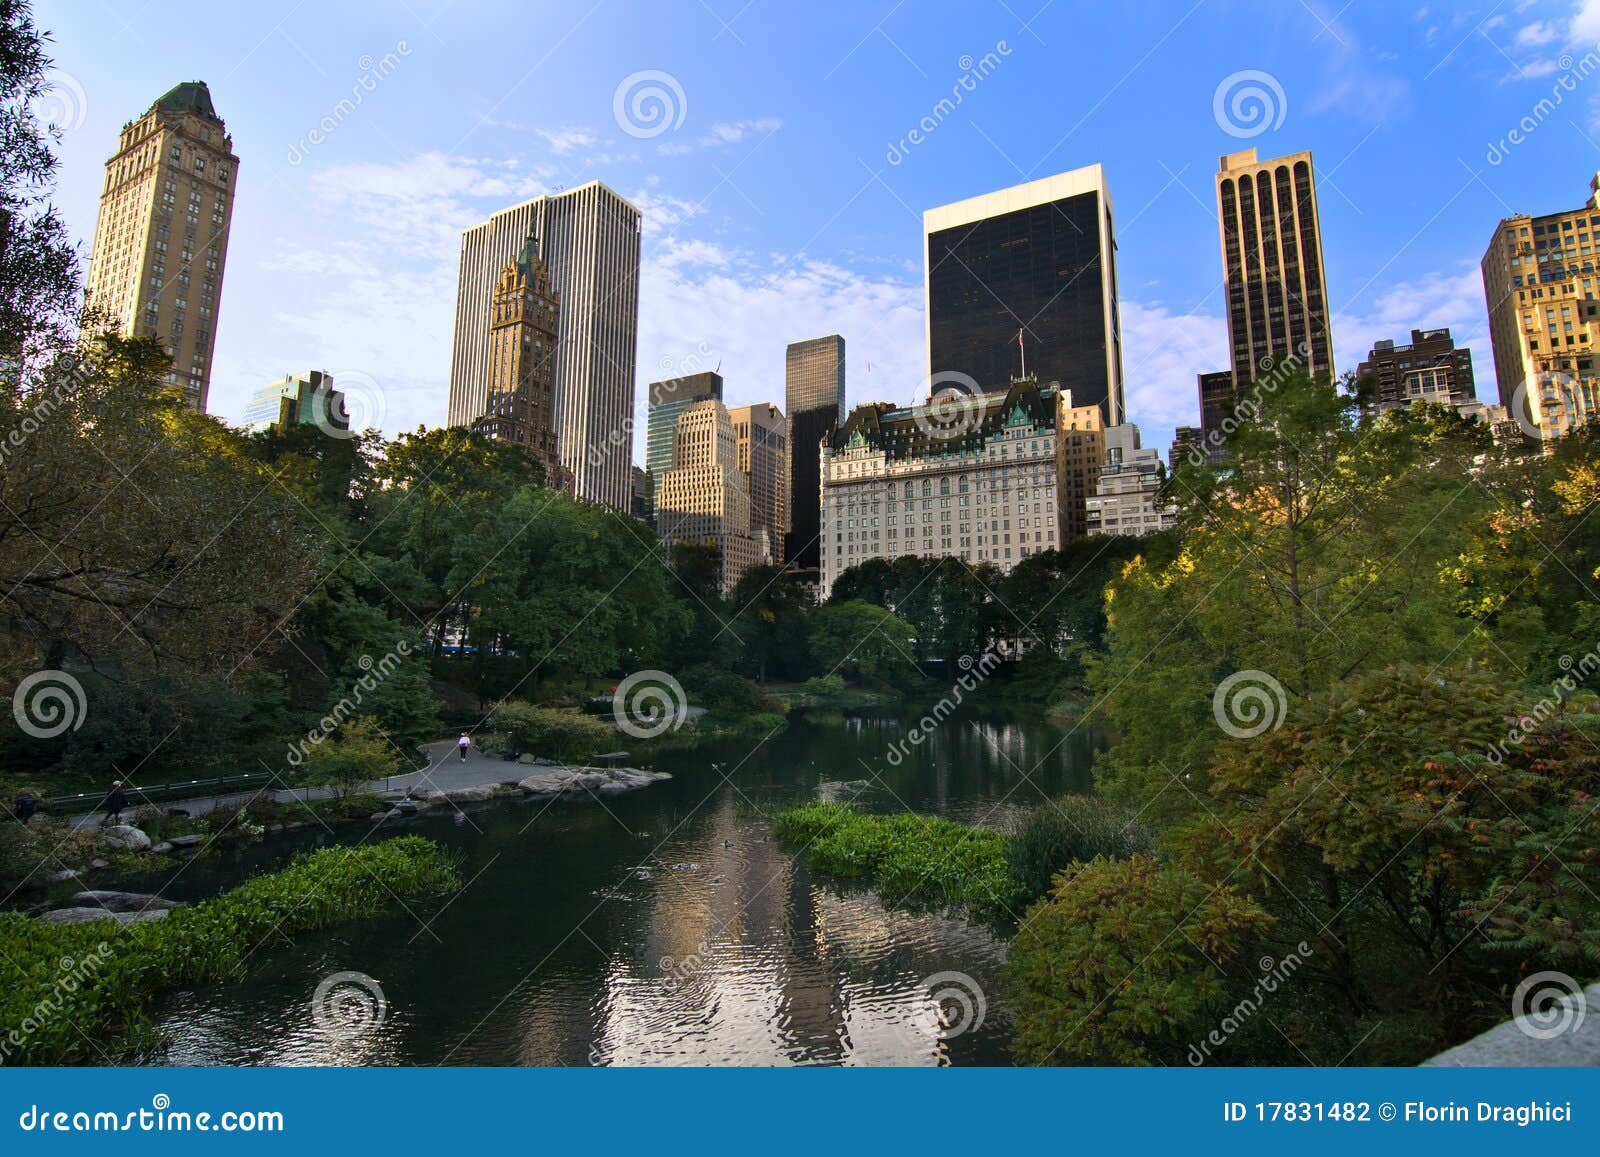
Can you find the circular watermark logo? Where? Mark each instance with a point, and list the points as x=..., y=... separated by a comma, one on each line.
x=61, y=103
x=49, y=703
x=1248, y=703
x=649, y=703
x=1527, y=405
x=1248, y=103
x=954, y=407
x=346, y=1004
x=1548, y=1004
x=960, y=1001
x=348, y=404
x=649, y=103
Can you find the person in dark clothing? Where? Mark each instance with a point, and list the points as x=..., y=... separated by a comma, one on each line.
x=27, y=805
x=115, y=802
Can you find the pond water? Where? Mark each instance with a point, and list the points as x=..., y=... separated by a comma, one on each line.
x=665, y=927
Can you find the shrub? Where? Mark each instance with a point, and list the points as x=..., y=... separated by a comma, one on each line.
x=1072, y=829
x=561, y=733
x=362, y=753
x=1122, y=963
x=68, y=987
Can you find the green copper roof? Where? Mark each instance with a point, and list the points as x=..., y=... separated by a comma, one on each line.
x=190, y=96
x=529, y=255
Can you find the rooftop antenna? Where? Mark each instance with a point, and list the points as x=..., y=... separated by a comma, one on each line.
x=1024, y=350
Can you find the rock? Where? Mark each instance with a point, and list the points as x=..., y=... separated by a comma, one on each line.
x=407, y=807
x=125, y=838
x=123, y=901
x=84, y=915
x=379, y=817
x=96, y=864
x=161, y=849
x=193, y=841
x=64, y=874
x=459, y=794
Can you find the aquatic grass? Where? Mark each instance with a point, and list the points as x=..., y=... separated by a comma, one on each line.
x=910, y=858
x=79, y=992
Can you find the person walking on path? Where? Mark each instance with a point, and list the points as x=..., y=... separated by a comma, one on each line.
x=115, y=802
x=463, y=744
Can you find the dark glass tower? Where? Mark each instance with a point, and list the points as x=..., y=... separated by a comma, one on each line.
x=814, y=400
x=1039, y=261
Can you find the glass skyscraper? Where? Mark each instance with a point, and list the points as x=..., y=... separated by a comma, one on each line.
x=814, y=399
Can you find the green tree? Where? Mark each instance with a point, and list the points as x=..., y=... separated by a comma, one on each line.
x=860, y=639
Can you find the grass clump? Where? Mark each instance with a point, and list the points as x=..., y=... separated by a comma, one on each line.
x=1072, y=829
x=78, y=992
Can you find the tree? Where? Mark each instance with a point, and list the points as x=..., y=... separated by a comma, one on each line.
x=769, y=618
x=360, y=753
x=859, y=639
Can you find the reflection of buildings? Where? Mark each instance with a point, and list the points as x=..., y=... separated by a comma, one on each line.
x=976, y=482
x=1035, y=264
x=307, y=399
x=162, y=235
x=589, y=243
x=814, y=399
x=1539, y=277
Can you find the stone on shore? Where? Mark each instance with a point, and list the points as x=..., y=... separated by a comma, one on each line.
x=599, y=781
x=190, y=841
x=123, y=901
x=125, y=837
x=84, y=915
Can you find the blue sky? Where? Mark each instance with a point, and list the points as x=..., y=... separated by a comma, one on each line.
x=773, y=208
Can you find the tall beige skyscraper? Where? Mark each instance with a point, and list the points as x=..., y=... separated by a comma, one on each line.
x=589, y=242
x=704, y=497
x=162, y=236
x=522, y=341
x=760, y=435
x=1272, y=263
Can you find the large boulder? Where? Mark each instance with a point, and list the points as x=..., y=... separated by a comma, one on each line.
x=84, y=915
x=125, y=837
x=123, y=901
x=476, y=794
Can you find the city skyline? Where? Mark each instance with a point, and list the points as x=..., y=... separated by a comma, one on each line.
x=353, y=236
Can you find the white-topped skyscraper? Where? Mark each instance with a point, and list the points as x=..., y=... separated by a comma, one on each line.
x=589, y=242
x=1037, y=260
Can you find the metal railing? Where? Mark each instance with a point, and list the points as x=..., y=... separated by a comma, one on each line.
x=155, y=793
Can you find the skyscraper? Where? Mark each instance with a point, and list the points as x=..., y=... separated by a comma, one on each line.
x=703, y=497
x=1544, y=319
x=161, y=239
x=761, y=436
x=1080, y=449
x=589, y=243
x=1430, y=369
x=1272, y=263
x=668, y=399
x=1216, y=409
x=307, y=399
x=523, y=324
x=814, y=399
x=1036, y=262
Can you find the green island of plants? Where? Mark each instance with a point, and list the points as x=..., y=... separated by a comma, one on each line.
x=79, y=992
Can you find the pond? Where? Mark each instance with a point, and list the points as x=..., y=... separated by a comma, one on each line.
x=665, y=927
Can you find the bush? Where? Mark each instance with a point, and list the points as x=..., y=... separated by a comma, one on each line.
x=560, y=733
x=67, y=987
x=910, y=857
x=362, y=753
x=1072, y=829
x=1123, y=964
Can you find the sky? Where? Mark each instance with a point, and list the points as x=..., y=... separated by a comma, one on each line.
x=770, y=148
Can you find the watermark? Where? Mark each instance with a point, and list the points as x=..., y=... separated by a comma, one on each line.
x=71, y=975
x=1543, y=405
x=960, y=1002
x=348, y=1004
x=649, y=103
x=1248, y=103
x=1248, y=703
x=375, y=672
x=1274, y=372
x=599, y=451
x=1532, y=720
x=1548, y=1004
x=649, y=703
x=1573, y=73
x=160, y=1117
x=371, y=74
x=49, y=703
x=972, y=73
x=348, y=403
x=39, y=406
x=681, y=969
x=975, y=671
x=1273, y=974
x=61, y=104
x=954, y=407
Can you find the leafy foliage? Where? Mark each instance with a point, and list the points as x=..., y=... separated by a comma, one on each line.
x=558, y=733
x=1071, y=829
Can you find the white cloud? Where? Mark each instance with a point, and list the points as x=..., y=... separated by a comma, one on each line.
x=732, y=132
x=1453, y=300
x=566, y=140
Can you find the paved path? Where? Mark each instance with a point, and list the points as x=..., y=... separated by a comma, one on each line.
x=444, y=770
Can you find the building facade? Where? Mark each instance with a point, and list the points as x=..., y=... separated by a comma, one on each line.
x=760, y=437
x=1430, y=369
x=1127, y=498
x=1080, y=450
x=307, y=399
x=161, y=239
x=813, y=397
x=1272, y=264
x=1028, y=274
x=668, y=399
x=524, y=320
x=1216, y=409
x=894, y=483
x=1539, y=278
x=703, y=497
x=589, y=243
